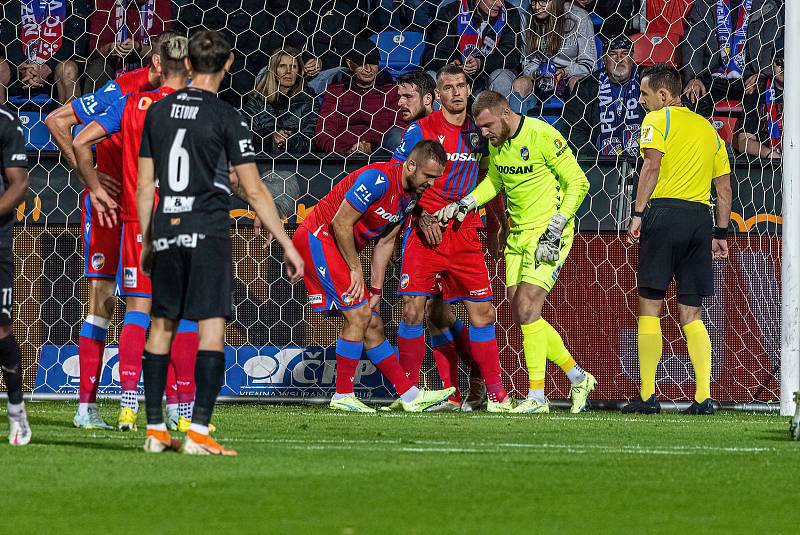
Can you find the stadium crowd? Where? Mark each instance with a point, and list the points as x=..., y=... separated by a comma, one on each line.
x=315, y=76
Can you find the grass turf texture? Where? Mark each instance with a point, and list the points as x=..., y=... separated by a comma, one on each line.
x=306, y=468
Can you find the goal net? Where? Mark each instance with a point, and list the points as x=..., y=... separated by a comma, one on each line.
x=582, y=60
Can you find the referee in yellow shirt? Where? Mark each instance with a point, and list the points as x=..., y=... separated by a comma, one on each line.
x=682, y=155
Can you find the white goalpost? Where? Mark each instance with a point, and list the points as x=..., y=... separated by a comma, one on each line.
x=790, y=267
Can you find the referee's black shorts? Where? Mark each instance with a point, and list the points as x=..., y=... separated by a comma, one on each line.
x=676, y=243
x=192, y=277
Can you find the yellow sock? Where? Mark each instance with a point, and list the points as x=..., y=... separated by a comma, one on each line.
x=534, y=344
x=650, y=347
x=699, y=344
x=557, y=352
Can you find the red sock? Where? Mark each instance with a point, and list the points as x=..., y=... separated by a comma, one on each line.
x=345, y=374
x=171, y=390
x=183, y=356
x=461, y=340
x=131, y=348
x=91, y=345
x=487, y=356
x=446, y=358
x=348, y=355
x=385, y=359
x=391, y=369
x=411, y=344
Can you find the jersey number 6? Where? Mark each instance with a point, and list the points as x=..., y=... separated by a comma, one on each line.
x=178, y=163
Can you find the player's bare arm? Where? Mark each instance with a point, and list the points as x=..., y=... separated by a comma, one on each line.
x=648, y=178
x=253, y=192
x=14, y=194
x=60, y=123
x=342, y=224
x=430, y=228
x=381, y=256
x=106, y=206
x=719, y=246
x=145, y=198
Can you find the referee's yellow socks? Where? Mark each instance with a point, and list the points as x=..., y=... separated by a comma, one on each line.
x=650, y=347
x=699, y=344
x=534, y=344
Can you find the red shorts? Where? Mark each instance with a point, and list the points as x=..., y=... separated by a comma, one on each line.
x=100, y=244
x=456, y=268
x=130, y=279
x=326, y=273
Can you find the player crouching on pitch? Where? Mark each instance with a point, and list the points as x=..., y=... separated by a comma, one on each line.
x=545, y=186
x=368, y=203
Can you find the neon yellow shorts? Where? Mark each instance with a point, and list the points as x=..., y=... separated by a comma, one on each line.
x=521, y=264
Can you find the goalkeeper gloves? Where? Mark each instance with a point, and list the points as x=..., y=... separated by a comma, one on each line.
x=458, y=210
x=549, y=246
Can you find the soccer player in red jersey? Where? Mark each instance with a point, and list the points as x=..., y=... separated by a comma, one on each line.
x=451, y=258
x=123, y=122
x=101, y=243
x=448, y=334
x=367, y=204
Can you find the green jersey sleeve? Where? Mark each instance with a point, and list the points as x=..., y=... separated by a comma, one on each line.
x=561, y=161
x=489, y=187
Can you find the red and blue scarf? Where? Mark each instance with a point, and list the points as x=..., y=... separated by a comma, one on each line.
x=480, y=40
x=774, y=114
x=146, y=10
x=42, y=29
x=732, y=40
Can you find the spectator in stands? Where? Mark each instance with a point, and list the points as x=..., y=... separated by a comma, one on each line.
x=762, y=125
x=559, y=50
x=290, y=25
x=120, y=37
x=603, y=116
x=283, y=116
x=282, y=111
x=480, y=35
x=728, y=46
x=39, y=46
x=359, y=111
x=416, y=92
x=242, y=23
x=340, y=25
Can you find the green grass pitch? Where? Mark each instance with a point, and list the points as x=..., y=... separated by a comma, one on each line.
x=305, y=469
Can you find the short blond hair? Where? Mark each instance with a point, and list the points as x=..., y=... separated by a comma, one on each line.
x=488, y=100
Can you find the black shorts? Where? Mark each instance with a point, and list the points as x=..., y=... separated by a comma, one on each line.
x=192, y=277
x=676, y=243
x=6, y=283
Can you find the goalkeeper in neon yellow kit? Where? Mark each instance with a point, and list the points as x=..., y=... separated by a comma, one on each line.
x=544, y=186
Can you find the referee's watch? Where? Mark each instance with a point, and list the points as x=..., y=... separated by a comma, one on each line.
x=720, y=233
x=636, y=213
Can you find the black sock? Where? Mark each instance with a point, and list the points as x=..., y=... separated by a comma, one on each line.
x=10, y=360
x=154, y=370
x=209, y=374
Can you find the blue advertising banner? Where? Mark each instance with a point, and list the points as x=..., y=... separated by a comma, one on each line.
x=266, y=371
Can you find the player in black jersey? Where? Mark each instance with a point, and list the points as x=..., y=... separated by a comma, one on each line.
x=189, y=140
x=13, y=184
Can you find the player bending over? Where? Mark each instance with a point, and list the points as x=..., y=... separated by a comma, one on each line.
x=13, y=185
x=368, y=203
x=125, y=118
x=449, y=262
x=102, y=243
x=190, y=138
x=545, y=186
